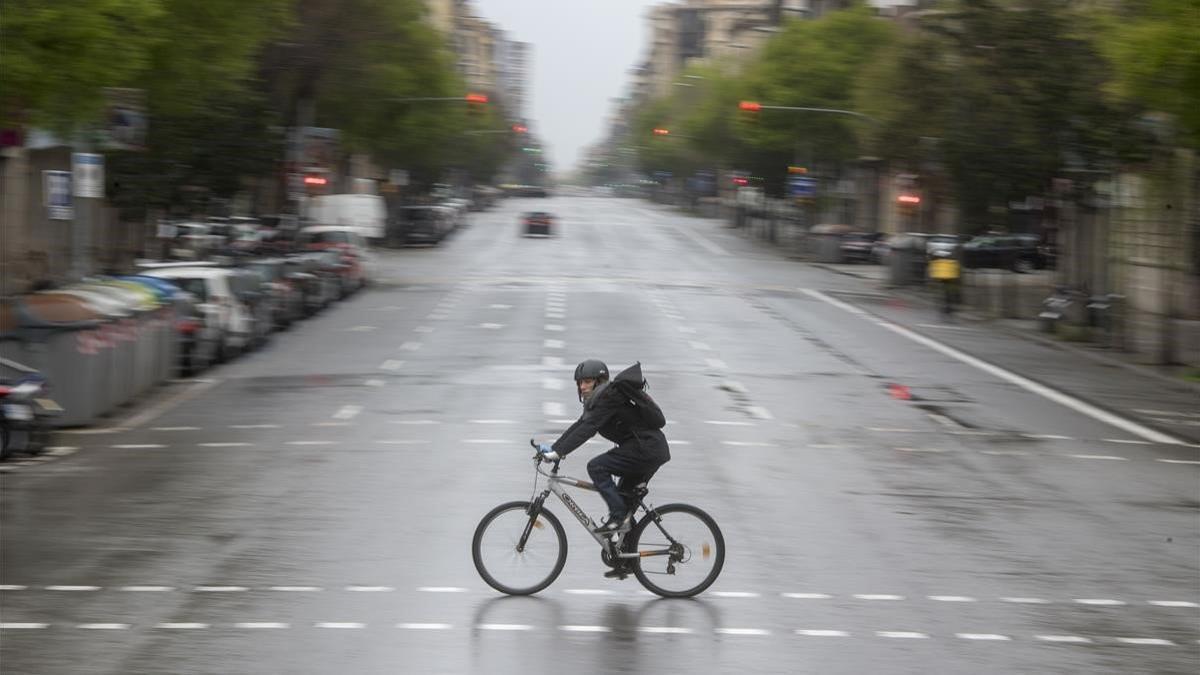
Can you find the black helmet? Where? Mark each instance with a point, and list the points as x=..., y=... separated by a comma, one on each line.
x=593, y=369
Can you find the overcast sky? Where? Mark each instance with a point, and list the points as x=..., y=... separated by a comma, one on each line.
x=582, y=53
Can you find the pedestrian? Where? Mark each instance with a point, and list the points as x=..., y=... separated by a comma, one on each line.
x=640, y=445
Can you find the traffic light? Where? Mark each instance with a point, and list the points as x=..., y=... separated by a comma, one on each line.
x=750, y=106
x=519, y=128
x=794, y=170
x=909, y=200
x=662, y=132
x=477, y=98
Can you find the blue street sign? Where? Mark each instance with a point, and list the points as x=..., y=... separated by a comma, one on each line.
x=56, y=195
x=802, y=186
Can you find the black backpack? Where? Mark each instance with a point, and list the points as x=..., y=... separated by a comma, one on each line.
x=630, y=384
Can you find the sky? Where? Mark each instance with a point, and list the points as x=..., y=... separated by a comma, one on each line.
x=582, y=53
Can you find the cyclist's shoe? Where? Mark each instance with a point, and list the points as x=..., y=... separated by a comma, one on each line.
x=618, y=572
x=614, y=525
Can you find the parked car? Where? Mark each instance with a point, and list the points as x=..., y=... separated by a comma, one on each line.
x=218, y=302
x=286, y=298
x=249, y=287
x=198, y=333
x=424, y=224
x=356, y=261
x=319, y=283
x=365, y=214
x=1016, y=252
x=942, y=245
x=856, y=246
x=538, y=223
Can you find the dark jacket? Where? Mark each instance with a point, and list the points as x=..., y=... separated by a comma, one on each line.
x=608, y=413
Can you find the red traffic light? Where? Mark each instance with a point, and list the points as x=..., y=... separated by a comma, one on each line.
x=750, y=106
x=316, y=180
x=662, y=132
x=739, y=180
x=909, y=199
x=477, y=98
x=520, y=128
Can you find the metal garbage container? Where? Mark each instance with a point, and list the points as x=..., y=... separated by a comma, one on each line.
x=57, y=334
x=144, y=330
x=126, y=335
x=170, y=300
x=114, y=389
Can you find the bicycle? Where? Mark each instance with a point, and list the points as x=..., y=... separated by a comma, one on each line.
x=520, y=547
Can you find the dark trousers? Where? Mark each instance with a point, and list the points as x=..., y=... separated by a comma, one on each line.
x=625, y=465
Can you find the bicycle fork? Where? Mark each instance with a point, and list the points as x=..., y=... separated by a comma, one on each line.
x=534, y=510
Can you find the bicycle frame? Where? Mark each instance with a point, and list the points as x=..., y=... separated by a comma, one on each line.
x=557, y=485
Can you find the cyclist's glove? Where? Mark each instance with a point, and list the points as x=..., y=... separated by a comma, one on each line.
x=547, y=452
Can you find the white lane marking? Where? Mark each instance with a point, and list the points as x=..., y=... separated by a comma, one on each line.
x=555, y=315
x=373, y=383
x=1004, y=453
x=822, y=633
x=499, y=306
x=1144, y=641
x=553, y=409
x=136, y=446
x=716, y=364
x=585, y=629
x=759, y=412
x=103, y=626
x=1071, y=639
x=220, y=589
x=669, y=630
x=62, y=448
x=729, y=423
x=423, y=329
x=402, y=441
x=72, y=588
x=687, y=329
x=330, y=424
x=1124, y=441
x=553, y=327
x=550, y=343
x=741, y=631
x=147, y=589
x=424, y=626
x=552, y=361
x=901, y=634
x=361, y=329
x=347, y=412
x=262, y=624
x=1026, y=601
x=983, y=636
x=391, y=365
x=12, y=587
x=492, y=421
x=1102, y=602
x=1178, y=461
x=1047, y=437
x=21, y=625
x=174, y=428
x=1172, y=603
x=699, y=240
x=295, y=589
x=486, y=441
x=339, y=624
x=553, y=384
x=807, y=596
x=491, y=326
x=309, y=443
x=1023, y=382
x=370, y=589
x=735, y=594
x=749, y=444
x=224, y=445
x=181, y=625
x=414, y=422
x=504, y=626
x=700, y=346
x=410, y=346
x=253, y=426
x=920, y=450
x=588, y=591
x=1106, y=457
x=878, y=596
x=442, y=589
x=951, y=598
x=670, y=441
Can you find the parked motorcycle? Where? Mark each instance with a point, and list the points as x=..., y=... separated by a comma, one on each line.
x=26, y=410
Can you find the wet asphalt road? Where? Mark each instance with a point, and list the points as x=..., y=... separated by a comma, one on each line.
x=309, y=507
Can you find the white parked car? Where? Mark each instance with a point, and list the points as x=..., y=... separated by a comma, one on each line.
x=216, y=299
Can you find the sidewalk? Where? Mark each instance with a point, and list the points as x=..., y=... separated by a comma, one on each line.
x=1154, y=396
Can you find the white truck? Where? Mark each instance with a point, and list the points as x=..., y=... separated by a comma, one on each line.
x=366, y=214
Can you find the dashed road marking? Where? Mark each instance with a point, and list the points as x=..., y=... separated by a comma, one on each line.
x=492, y=421
x=1172, y=603
x=373, y=383
x=1047, y=437
x=147, y=589
x=1103, y=602
x=174, y=428
x=821, y=633
x=553, y=409
x=179, y=625
x=1178, y=461
x=902, y=634
x=1125, y=441
x=499, y=306
x=361, y=329
x=402, y=441
x=550, y=343
x=585, y=629
x=749, y=444
x=742, y=631
x=491, y=326
x=825, y=446
x=295, y=589
x=1026, y=601
x=552, y=361
x=254, y=426
x=345, y=625
x=12, y=587
x=759, y=412
x=391, y=365
x=423, y=329
x=309, y=443
x=1145, y=641
x=136, y=446
x=1004, y=453
x=370, y=589
x=225, y=445
x=220, y=589
x=807, y=596
x=983, y=636
x=951, y=598
x=878, y=596
x=410, y=346
x=667, y=630
x=21, y=625
x=1069, y=639
x=729, y=423
x=330, y=424
x=414, y=422
x=700, y=346
x=425, y=626
x=442, y=589
x=920, y=450
x=735, y=594
x=504, y=626
x=1103, y=457
x=553, y=327
x=262, y=624
x=72, y=588
x=103, y=626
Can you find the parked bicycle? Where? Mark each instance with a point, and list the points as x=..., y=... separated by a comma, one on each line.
x=520, y=547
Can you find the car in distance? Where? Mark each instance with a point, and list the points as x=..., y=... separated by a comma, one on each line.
x=538, y=223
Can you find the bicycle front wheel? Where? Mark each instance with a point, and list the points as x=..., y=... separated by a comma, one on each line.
x=513, y=567
x=681, y=551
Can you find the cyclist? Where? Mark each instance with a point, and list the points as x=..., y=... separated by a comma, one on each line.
x=639, y=450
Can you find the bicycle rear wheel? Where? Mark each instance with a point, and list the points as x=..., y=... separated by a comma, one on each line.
x=528, y=570
x=689, y=546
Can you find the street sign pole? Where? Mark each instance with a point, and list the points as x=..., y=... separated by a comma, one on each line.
x=87, y=185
